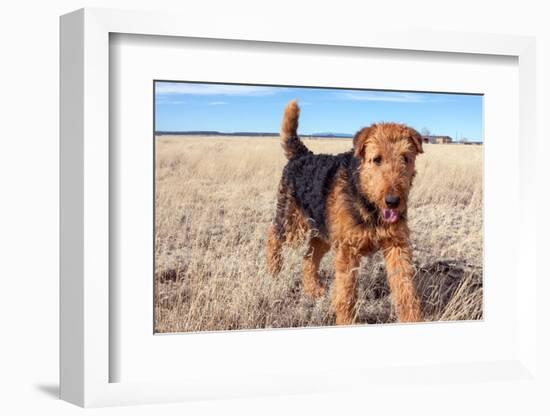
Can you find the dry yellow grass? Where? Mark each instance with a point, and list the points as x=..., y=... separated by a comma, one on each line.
x=215, y=199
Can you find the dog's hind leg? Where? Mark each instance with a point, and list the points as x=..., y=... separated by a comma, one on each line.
x=310, y=266
x=274, y=248
x=276, y=234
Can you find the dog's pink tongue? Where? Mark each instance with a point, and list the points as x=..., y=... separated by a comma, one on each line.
x=390, y=215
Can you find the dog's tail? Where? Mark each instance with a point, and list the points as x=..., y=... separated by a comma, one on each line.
x=291, y=143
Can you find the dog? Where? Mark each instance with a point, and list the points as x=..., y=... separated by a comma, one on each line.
x=354, y=203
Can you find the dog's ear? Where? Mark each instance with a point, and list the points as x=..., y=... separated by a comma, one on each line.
x=360, y=140
x=416, y=140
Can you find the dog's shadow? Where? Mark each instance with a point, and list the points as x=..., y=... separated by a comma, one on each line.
x=439, y=285
x=440, y=282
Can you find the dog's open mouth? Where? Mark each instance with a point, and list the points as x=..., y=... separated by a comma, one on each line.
x=390, y=215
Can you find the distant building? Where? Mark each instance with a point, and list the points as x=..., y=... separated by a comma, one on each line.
x=443, y=140
x=437, y=139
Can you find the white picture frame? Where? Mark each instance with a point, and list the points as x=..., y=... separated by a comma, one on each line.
x=86, y=356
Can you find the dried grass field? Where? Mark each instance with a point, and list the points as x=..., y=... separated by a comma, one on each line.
x=215, y=198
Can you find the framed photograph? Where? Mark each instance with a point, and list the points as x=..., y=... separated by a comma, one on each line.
x=286, y=213
x=231, y=253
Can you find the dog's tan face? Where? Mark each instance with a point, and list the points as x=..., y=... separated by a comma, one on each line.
x=387, y=152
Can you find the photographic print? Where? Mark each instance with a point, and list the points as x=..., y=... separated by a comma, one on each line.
x=290, y=207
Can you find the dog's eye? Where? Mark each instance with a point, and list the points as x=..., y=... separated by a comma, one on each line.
x=377, y=160
x=405, y=159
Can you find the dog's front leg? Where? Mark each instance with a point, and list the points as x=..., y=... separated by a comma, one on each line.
x=344, y=294
x=400, y=274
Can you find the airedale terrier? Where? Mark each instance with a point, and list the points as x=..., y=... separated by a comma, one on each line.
x=353, y=202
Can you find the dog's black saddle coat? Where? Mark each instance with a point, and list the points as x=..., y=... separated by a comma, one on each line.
x=310, y=177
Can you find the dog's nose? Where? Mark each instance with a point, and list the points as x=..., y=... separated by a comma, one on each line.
x=392, y=201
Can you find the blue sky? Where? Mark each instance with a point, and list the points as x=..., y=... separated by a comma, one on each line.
x=181, y=106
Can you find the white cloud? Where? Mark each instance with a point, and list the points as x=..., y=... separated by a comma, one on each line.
x=169, y=101
x=396, y=97
x=217, y=103
x=168, y=88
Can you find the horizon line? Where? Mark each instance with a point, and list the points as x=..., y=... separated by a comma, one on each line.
x=276, y=134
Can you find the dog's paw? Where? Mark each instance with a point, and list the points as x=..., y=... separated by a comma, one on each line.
x=314, y=291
